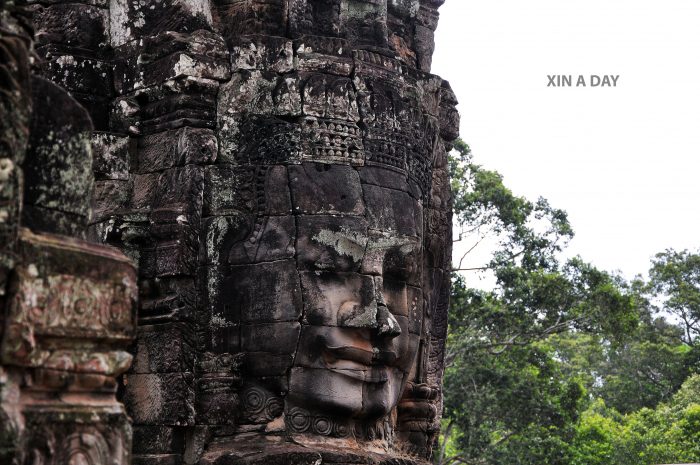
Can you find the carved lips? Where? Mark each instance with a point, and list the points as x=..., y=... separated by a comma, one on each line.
x=361, y=364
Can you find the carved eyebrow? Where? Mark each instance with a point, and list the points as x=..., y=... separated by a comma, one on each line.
x=345, y=242
x=402, y=242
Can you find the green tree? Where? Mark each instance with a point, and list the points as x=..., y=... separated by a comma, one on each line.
x=507, y=398
x=596, y=433
x=561, y=363
x=644, y=369
x=674, y=278
x=668, y=434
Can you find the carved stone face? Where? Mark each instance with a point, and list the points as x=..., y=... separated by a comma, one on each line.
x=325, y=239
x=363, y=307
x=329, y=298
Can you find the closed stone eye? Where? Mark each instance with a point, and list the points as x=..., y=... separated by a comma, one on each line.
x=399, y=263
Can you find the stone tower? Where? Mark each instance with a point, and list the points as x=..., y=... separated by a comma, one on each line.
x=277, y=169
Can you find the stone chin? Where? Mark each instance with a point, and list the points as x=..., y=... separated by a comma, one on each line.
x=351, y=372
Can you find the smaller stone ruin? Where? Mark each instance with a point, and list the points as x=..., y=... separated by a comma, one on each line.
x=69, y=306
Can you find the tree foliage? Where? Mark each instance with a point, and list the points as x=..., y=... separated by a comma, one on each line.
x=675, y=277
x=561, y=362
x=670, y=433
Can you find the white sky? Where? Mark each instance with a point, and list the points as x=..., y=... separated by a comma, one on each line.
x=623, y=162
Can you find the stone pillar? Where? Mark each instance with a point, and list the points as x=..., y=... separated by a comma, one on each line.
x=68, y=306
x=168, y=67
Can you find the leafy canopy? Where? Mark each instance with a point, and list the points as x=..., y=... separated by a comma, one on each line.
x=560, y=362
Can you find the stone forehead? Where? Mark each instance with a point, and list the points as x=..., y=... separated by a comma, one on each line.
x=327, y=120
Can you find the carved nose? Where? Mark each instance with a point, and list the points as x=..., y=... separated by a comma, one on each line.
x=353, y=314
x=387, y=325
x=377, y=318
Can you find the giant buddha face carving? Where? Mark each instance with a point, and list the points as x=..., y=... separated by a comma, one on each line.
x=323, y=296
x=326, y=230
x=363, y=307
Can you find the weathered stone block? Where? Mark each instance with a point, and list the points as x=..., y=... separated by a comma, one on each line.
x=180, y=189
x=237, y=18
x=98, y=3
x=277, y=198
x=394, y=294
x=59, y=147
x=262, y=53
x=383, y=177
x=393, y=257
x=217, y=403
x=261, y=93
x=324, y=54
x=111, y=154
x=177, y=147
x=157, y=459
x=264, y=364
x=355, y=354
x=158, y=439
x=160, y=399
x=273, y=338
x=223, y=337
x=328, y=96
x=393, y=211
x=449, y=116
x=223, y=234
x=417, y=313
x=132, y=20
x=271, y=238
x=257, y=140
x=166, y=300
x=424, y=46
x=266, y=292
x=169, y=258
x=77, y=25
x=259, y=404
x=145, y=188
x=332, y=141
x=315, y=17
x=171, y=55
x=79, y=74
x=339, y=299
x=59, y=434
x=185, y=101
x=435, y=257
x=109, y=197
x=330, y=391
x=177, y=65
x=315, y=189
x=331, y=243
x=150, y=356
x=83, y=292
x=229, y=189
x=364, y=22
